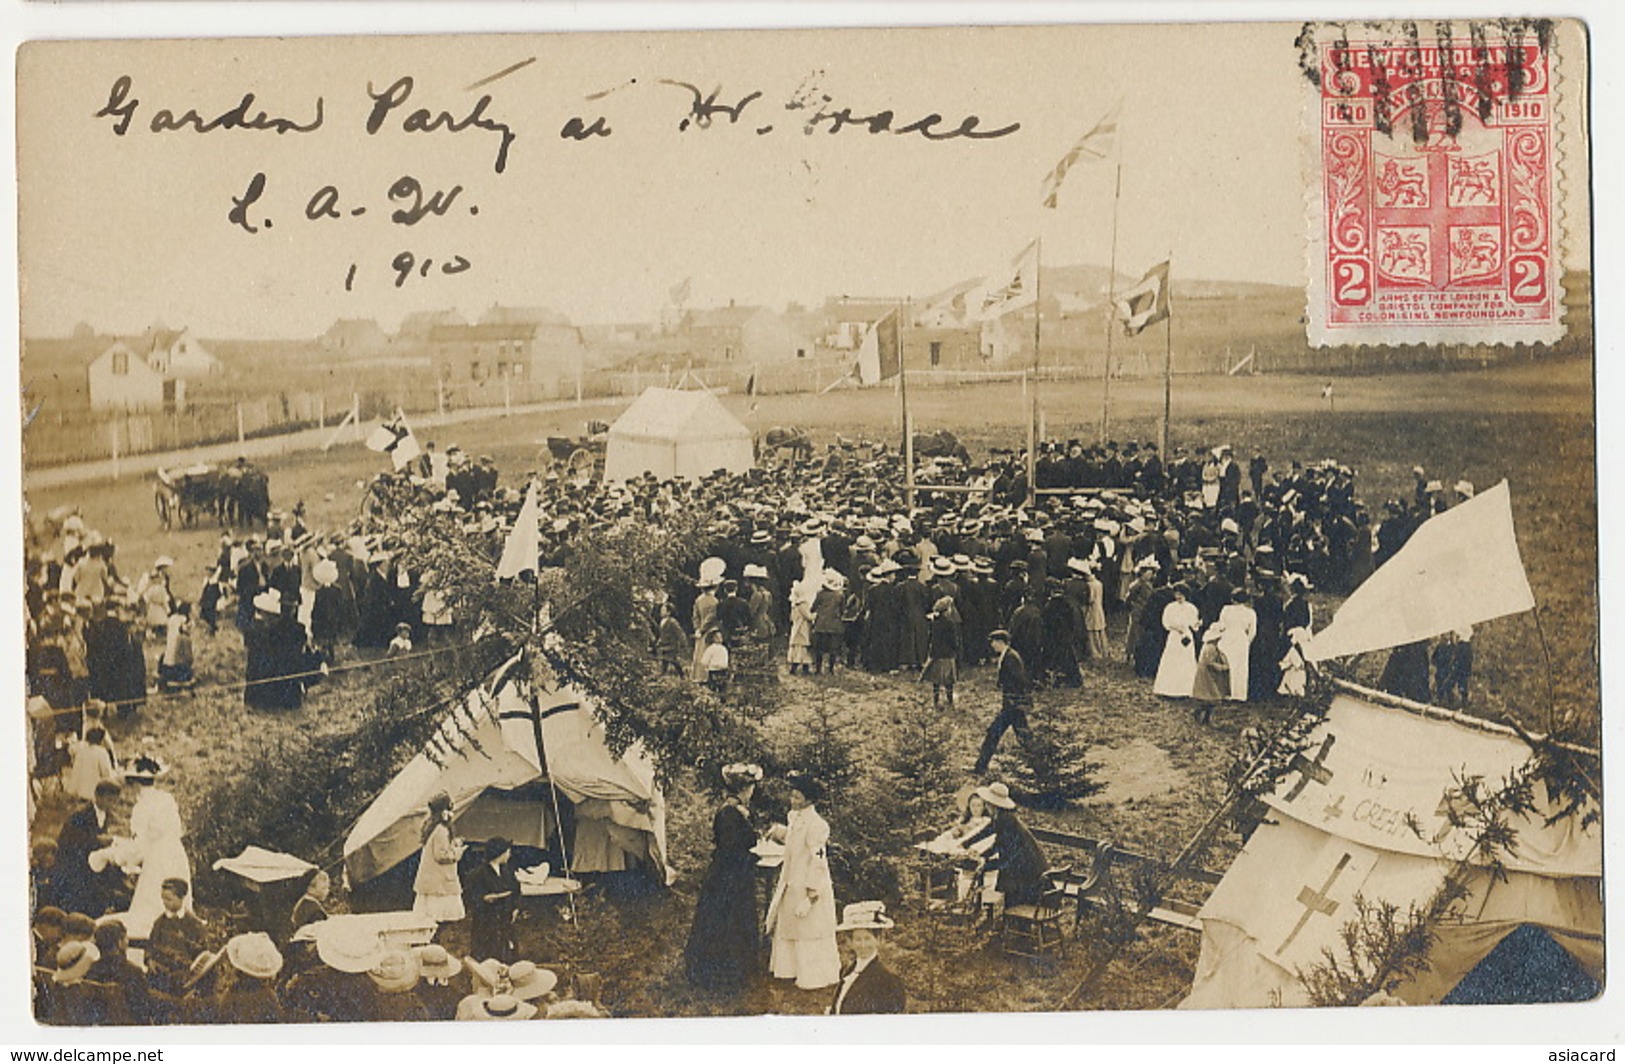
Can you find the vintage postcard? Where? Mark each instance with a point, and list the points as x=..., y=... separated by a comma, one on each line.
x=809, y=523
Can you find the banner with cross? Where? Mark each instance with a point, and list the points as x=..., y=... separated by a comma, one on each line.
x=1381, y=776
x=1317, y=904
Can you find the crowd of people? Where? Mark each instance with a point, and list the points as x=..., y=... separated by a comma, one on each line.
x=817, y=566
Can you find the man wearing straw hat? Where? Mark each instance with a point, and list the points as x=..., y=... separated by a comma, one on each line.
x=867, y=987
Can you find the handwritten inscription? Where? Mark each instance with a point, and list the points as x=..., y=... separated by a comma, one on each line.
x=398, y=106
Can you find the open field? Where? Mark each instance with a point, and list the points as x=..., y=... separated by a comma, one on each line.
x=1530, y=424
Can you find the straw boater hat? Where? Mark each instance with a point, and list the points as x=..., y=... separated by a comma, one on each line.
x=755, y=572
x=997, y=794
x=349, y=949
x=761, y=537
x=941, y=566
x=396, y=972
x=1079, y=565
x=73, y=961
x=254, y=954
x=435, y=963
x=864, y=915
x=504, y=1007
x=833, y=580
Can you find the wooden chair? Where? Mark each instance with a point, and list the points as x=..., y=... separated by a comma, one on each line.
x=1033, y=929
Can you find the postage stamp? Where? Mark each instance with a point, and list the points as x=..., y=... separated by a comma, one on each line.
x=1432, y=211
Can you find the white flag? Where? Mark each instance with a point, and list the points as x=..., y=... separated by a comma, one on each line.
x=525, y=541
x=1013, y=288
x=394, y=438
x=1459, y=568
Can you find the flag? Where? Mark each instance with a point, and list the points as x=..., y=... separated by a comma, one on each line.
x=1014, y=288
x=1147, y=302
x=1459, y=568
x=680, y=292
x=750, y=384
x=880, y=356
x=1094, y=146
x=394, y=438
x=525, y=541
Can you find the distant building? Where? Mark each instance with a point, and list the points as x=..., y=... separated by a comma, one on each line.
x=742, y=335
x=177, y=353
x=417, y=326
x=120, y=379
x=484, y=363
x=497, y=314
x=355, y=336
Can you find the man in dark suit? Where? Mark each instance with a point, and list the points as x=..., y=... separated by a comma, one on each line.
x=1015, y=689
x=493, y=894
x=866, y=988
x=79, y=887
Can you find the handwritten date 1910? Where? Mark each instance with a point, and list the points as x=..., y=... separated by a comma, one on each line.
x=406, y=264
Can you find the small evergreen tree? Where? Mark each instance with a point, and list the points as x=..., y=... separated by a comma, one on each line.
x=917, y=763
x=1051, y=771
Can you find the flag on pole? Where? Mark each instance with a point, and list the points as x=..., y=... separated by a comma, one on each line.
x=1013, y=288
x=524, y=543
x=1459, y=568
x=880, y=356
x=1095, y=145
x=680, y=292
x=394, y=438
x=1147, y=302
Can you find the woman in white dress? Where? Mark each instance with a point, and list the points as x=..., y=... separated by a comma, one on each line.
x=437, y=891
x=1240, y=625
x=1177, y=670
x=157, y=842
x=801, y=916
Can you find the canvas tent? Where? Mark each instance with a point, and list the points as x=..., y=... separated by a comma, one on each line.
x=492, y=754
x=673, y=433
x=1362, y=812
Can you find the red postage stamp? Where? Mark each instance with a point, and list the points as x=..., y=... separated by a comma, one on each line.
x=1433, y=189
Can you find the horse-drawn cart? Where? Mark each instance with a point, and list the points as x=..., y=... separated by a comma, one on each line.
x=236, y=495
x=579, y=459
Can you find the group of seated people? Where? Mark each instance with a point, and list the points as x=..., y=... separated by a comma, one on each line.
x=994, y=859
x=86, y=973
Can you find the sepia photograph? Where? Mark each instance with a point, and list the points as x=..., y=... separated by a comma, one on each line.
x=808, y=522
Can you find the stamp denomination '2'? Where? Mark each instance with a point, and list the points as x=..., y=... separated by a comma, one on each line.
x=1434, y=201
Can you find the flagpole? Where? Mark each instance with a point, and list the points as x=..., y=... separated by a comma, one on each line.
x=1167, y=363
x=1038, y=358
x=908, y=426
x=1111, y=311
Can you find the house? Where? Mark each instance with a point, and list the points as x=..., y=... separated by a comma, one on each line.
x=177, y=353
x=742, y=335
x=489, y=363
x=355, y=336
x=120, y=379
x=416, y=326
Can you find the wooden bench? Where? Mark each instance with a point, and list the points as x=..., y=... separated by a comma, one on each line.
x=1090, y=883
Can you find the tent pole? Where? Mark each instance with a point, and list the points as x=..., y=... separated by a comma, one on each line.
x=552, y=789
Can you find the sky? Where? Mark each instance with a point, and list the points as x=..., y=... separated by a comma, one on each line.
x=123, y=231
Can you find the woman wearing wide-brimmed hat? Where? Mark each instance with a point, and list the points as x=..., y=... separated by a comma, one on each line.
x=438, y=892
x=249, y=995
x=724, y=945
x=801, y=916
x=1015, y=854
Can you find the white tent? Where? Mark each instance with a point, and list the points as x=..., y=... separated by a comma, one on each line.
x=516, y=730
x=673, y=433
x=1362, y=812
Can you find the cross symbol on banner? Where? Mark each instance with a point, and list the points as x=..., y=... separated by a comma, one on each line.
x=398, y=429
x=1333, y=810
x=1308, y=770
x=1314, y=901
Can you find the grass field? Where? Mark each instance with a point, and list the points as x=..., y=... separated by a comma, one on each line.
x=1531, y=425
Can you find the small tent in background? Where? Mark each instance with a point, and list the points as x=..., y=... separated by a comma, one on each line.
x=673, y=433
x=494, y=754
x=1361, y=813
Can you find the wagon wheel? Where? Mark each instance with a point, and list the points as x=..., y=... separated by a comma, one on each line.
x=582, y=465
x=160, y=502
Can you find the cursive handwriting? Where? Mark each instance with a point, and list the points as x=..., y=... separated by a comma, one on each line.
x=423, y=120
x=121, y=107
x=704, y=107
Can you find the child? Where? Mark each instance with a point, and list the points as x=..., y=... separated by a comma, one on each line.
x=91, y=764
x=1294, y=671
x=671, y=642
x=208, y=603
x=175, y=666
x=714, y=659
x=402, y=643
x=176, y=939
